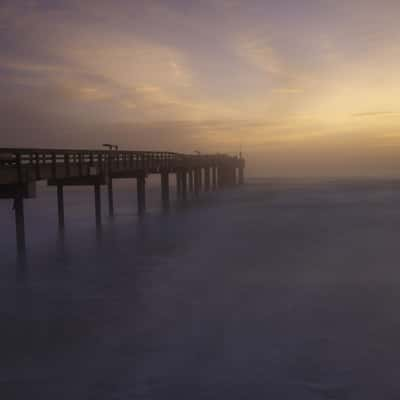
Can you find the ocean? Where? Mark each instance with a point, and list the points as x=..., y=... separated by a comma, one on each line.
x=279, y=289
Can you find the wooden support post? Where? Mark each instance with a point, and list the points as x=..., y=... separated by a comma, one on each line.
x=110, y=197
x=97, y=204
x=60, y=205
x=227, y=177
x=165, y=189
x=197, y=181
x=223, y=178
x=241, y=175
x=184, y=184
x=191, y=180
x=141, y=194
x=20, y=225
x=200, y=178
x=207, y=179
x=232, y=176
x=214, y=178
x=178, y=184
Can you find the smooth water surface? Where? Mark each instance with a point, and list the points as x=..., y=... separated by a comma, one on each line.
x=273, y=290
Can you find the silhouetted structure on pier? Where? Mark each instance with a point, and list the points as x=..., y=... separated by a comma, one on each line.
x=21, y=168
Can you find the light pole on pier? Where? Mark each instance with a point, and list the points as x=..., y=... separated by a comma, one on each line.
x=110, y=146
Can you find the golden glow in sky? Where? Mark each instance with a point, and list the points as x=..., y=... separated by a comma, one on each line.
x=304, y=87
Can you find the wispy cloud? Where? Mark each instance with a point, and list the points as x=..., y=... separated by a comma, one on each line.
x=287, y=90
x=377, y=114
x=260, y=53
x=28, y=67
x=92, y=94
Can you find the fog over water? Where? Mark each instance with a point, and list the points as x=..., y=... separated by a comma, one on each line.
x=274, y=290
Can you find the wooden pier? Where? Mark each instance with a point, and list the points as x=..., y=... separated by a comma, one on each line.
x=20, y=169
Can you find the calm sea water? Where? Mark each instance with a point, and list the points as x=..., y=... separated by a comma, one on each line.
x=275, y=290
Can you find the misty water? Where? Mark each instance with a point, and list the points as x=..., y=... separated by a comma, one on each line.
x=281, y=290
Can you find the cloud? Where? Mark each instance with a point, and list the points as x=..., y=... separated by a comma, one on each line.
x=92, y=94
x=281, y=65
x=28, y=67
x=377, y=114
x=259, y=52
x=128, y=104
x=287, y=90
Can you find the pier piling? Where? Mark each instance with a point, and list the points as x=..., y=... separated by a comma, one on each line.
x=206, y=179
x=20, y=224
x=110, y=197
x=60, y=206
x=184, y=184
x=197, y=181
x=241, y=175
x=178, y=185
x=97, y=204
x=141, y=194
x=165, y=189
x=214, y=177
x=191, y=180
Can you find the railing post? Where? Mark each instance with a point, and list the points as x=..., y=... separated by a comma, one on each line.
x=19, y=168
x=66, y=165
x=80, y=165
x=53, y=166
x=37, y=166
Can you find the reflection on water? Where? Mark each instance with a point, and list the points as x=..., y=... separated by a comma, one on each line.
x=274, y=290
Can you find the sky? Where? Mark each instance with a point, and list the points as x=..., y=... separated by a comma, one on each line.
x=301, y=87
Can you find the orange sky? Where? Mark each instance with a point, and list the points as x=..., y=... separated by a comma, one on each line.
x=303, y=87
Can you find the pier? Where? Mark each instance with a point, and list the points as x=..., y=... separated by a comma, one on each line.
x=21, y=168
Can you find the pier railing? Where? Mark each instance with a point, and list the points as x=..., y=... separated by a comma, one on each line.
x=24, y=164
